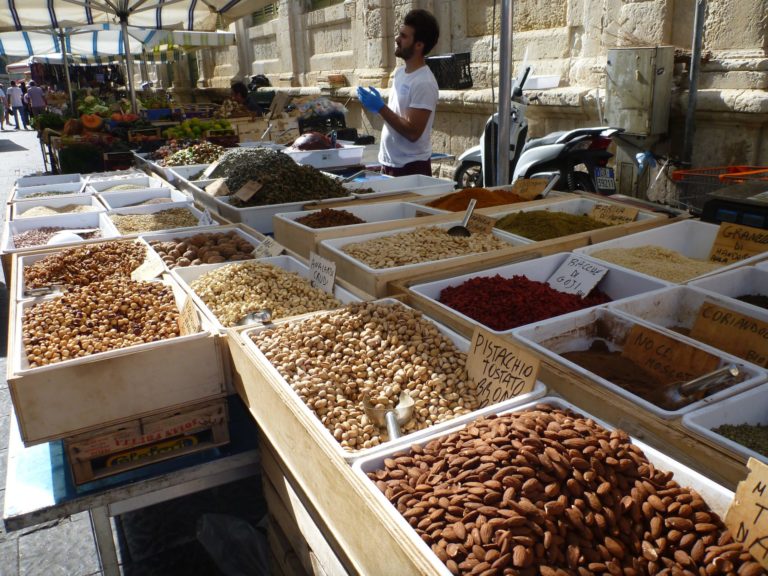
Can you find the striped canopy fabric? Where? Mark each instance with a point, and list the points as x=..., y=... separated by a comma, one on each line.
x=158, y=14
x=156, y=57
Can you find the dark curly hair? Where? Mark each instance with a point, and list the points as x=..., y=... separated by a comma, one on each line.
x=425, y=28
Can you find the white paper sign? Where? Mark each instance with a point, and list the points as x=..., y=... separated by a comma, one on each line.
x=322, y=272
x=576, y=275
x=206, y=219
x=267, y=248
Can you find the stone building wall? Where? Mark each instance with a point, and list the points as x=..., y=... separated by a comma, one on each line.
x=569, y=38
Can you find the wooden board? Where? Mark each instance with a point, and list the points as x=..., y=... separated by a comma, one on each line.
x=325, y=480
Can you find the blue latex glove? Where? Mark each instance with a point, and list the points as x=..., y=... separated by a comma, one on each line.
x=370, y=99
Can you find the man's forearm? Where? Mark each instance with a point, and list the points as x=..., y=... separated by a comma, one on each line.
x=401, y=125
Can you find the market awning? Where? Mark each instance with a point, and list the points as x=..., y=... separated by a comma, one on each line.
x=154, y=57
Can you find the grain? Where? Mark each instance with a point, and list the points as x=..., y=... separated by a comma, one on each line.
x=55, y=210
x=420, y=245
x=235, y=290
x=657, y=261
x=332, y=360
x=161, y=220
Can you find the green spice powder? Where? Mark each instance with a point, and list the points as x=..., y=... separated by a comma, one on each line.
x=543, y=224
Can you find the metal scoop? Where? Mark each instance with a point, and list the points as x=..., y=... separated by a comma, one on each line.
x=461, y=230
x=391, y=418
x=264, y=316
x=681, y=392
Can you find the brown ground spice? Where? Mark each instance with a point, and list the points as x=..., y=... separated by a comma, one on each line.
x=459, y=200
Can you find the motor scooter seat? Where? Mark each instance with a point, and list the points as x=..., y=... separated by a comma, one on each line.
x=544, y=140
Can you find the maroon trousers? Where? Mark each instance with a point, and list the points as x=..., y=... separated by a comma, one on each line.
x=418, y=167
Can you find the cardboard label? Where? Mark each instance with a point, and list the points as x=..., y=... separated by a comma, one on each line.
x=149, y=270
x=218, y=188
x=189, y=321
x=206, y=219
x=500, y=368
x=614, y=213
x=577, y=275
x=732, y=331
x=480, y=224
x=735, y=242
x=322, y=272
x=208, y=171
x=268, y=248
x=670, y=361
x=747, y=518
x=248, y=190
x=529, y=188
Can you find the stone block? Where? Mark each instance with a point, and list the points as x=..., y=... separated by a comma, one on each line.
x=745, y=80
x=538, y=15
x=644, y=24
x=542, y=44
x=735, y=24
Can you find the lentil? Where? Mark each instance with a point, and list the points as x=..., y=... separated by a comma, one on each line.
x=327, y=218
x=545, y=224
x=420, y=245
x=39, y=236
x=203, y=249
x=235, y=290
x=505, y=303
x=82, y=265
x=105, y=315
x=547, y=491
x=760, y=300
x=333, y=360
x=161, y=220
x=55, y=210
x=752, y=436
x=657, y=261
x=458, y=201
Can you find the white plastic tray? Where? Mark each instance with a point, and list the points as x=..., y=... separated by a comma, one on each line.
x=152, y=208
x=462, y=344
x=577, y=331
x=113, y=175
x=618, y=283
x=738, y=282
x=68, y=189
x=336, y=246
x=388, y=186
x=750, y=407
x=101, y=186
x=19, y=208
x=26, y=181
x=678, y=307
x=185, y=277
x=122, y=199
x=260, y=217
x=72, y=221
x=350, y=155
x=691, y=238
x=185, y=172
x=717, y=497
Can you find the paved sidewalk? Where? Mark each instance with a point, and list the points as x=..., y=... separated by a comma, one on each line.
x=156, y=541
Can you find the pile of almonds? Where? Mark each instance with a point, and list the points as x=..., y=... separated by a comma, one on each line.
x=85, y=264
x=546, y=491
x=204, y=249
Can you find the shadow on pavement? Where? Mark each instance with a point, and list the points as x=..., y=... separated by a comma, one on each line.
x=10, y=145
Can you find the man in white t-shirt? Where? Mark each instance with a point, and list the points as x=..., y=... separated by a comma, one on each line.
x=16, y=103
x=406, y=145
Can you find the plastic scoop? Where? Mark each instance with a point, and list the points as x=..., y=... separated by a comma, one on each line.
x=393, y=419
x=461, y=230
x=681, y=392
x=264, y=316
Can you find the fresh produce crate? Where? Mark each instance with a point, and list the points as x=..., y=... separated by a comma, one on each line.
x=155, y=114
x=118, y=160
x=452, y=71
x=716, y=497
x=617, y=284
x=225, y=138
x=147, y=440
x=92, y=392
x=749, y=407
x=577, y=331
x=18, y=209
x=380, y=216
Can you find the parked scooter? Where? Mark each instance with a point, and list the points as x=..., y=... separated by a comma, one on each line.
x=578, y=156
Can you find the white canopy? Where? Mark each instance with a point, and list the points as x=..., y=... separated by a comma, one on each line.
x=155, y=57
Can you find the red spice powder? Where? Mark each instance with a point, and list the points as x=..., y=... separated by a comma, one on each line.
x=506, y=303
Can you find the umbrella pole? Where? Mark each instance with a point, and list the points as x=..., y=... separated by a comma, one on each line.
x=65, y=61
x=129, y=63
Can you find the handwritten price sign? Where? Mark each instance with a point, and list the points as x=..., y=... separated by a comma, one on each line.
x=322, y=272
x=747, y=518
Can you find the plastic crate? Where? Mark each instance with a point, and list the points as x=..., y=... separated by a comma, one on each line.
x=451, y=71
x=740, y=177
x=694, y=185
x=322, y=124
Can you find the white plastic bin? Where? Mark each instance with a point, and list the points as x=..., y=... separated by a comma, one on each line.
x=19, y=209
x=26, y=181
x=739, y=282
x=86, y=220
x=140, y=181
x=151, y=209
x=63, y=190
x=350, y=155
x=132, y=198
x=388, y=186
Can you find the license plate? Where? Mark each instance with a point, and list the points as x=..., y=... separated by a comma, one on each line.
x=604, y=179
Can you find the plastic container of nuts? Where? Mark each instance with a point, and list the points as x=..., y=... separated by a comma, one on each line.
x=83, y=221
x=715, y=496
x=578, y=331
x=131, y=198
x=461, y=344
x=186, y=276
x=85, y=202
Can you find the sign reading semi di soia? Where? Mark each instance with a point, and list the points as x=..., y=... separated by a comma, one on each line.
x=735, y=242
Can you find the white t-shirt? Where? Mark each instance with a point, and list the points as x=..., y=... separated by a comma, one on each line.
x=14, y=96
x=415, y=90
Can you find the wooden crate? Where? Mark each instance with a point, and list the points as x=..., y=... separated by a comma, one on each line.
x=147, y=440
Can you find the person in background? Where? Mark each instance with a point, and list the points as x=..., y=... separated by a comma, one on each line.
x=37, y=100
x=406, y=146
x=15, y=98
x=3, y=107
x=241, y=96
